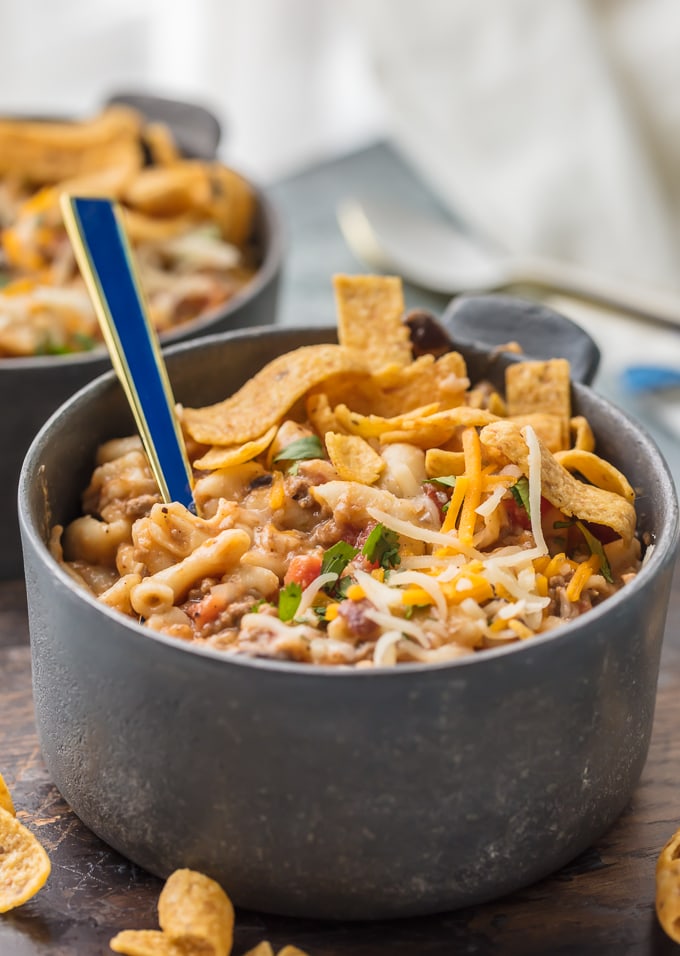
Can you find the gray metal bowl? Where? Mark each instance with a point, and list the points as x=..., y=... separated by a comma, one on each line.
x=32, y=388
x=318, y=792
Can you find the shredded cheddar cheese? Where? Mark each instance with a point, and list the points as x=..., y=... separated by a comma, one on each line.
x=581, y=576
x=473, y=471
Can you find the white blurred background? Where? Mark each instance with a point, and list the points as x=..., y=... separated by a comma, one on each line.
x=553, y=128
x=289, y=79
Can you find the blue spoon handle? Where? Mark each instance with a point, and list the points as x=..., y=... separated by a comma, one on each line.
x=103, y=253
x=650, y=378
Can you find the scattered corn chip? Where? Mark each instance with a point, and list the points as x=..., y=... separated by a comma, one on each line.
x=423, y=381
x=370, y=319
x=321, y=415
x=152, y=942
x=668, y=887
x=24, y=864
x=193, y=909
x=544, y=387
x=353, y=458
x=170, y=190
x=6, y=797
x=538, y=387
x=268, y=395
x=220, y=457
x=48, y=152
x=582, y=433
x=262, y=949
x=374, y=426
x=549, y=428
x=160, y=144
x=597, y=471
x=232, y=203
x=573, y=497
x=439, y=428
x=440, y=463
x=425, y=427
x=196, y=918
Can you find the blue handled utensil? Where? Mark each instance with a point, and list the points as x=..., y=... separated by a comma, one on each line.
x=103, y=253
x=650, y=378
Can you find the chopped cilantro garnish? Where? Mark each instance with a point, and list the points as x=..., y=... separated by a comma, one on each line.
x=339, y=589
x=308, y=447
x=336, y=558
x=289, y=600
x=449, y=481
x=49, y=347
x=520, y=492
x=382, y=546
x=84, y=342
x=595, y=546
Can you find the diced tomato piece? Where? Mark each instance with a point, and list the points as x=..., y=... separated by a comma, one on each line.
x=440, y=495
x=207, y=609
x=303, y=568
x=517, y=514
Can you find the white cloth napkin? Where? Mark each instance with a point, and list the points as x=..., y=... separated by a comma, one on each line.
x=552, y=127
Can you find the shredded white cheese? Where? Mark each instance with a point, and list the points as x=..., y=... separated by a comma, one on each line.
x=312, y=589
x=389, y=622
x=535, y=488
x=418, y=533
x=424, y=581
x=489, y=506
x=385, y=651
x=380, y=595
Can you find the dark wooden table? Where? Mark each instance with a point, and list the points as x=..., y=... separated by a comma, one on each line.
x=600, y=905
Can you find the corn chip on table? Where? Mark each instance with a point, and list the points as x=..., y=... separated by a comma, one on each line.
x=602, y=904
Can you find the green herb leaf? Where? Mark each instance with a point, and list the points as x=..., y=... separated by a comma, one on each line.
x=85, y=342
x=449, y=481
x=595, y=546
x=563, y=524
x=289, y=601
x=520, y=492
x=308, y=447
x=339, y=589
x=336, y=559
x=382, y=546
